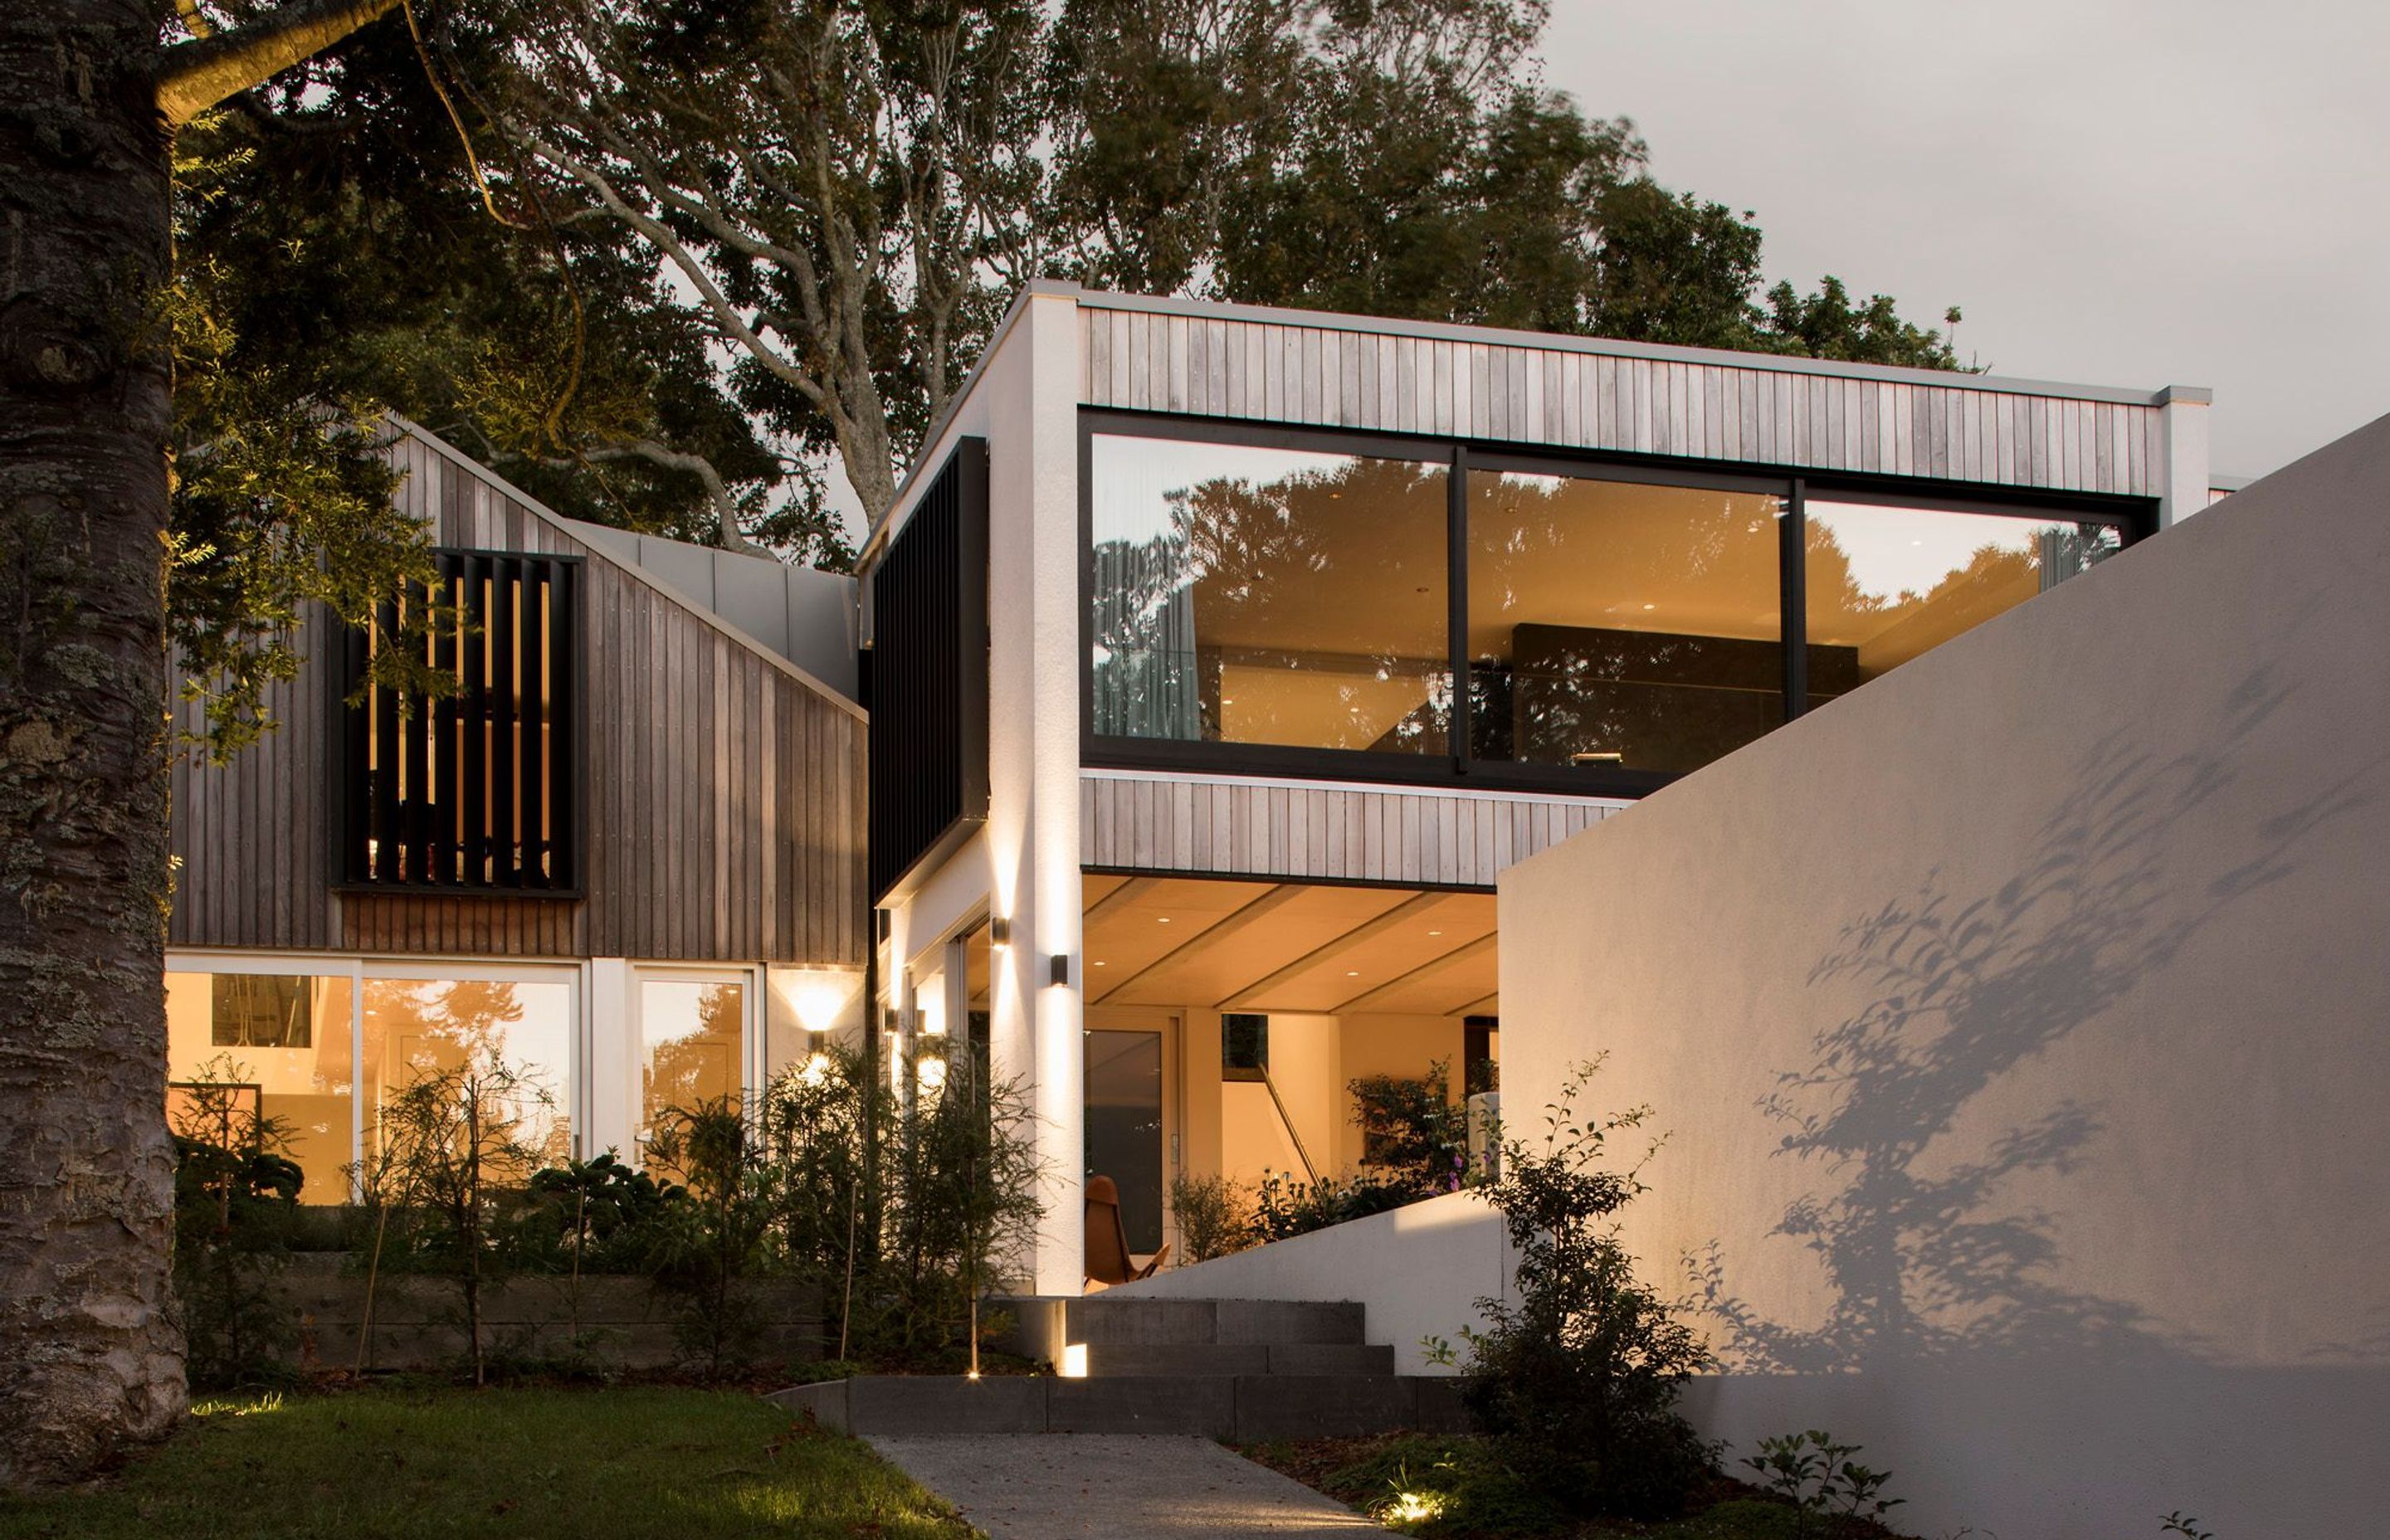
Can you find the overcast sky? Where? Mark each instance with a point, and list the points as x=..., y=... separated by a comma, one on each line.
x=2192, y=192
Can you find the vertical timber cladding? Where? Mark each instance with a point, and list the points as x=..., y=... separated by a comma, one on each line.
x=476, y=789
x=929, y=675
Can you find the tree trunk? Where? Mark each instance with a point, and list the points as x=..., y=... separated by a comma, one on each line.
x=90, y=1357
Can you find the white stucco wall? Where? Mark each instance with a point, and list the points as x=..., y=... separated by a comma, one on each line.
x=1024, y=863
x=1421, y=1270
x=2022, y=1025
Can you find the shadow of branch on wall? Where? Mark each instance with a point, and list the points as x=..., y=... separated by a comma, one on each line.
x=1931, y=1256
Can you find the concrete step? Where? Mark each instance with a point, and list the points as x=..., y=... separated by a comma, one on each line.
x=1042, y=1325
x=1242, y=1407
x=1109, y=1360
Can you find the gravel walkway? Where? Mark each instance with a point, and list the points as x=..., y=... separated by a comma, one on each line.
x=1062, y=1486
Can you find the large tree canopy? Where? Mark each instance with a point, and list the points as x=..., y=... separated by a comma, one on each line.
x=848, y=194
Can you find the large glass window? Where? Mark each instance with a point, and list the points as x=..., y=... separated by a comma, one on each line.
x=276, y=1045
x=1249, y=595
x=1616, y=627
x=1884, y=584
x=1621, y=623
x=692, y=1039
x=418, y=1026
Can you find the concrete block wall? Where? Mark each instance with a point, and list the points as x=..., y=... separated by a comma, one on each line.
x=623, y=1323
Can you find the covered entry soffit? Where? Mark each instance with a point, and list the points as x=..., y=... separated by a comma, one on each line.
x=1288, y=947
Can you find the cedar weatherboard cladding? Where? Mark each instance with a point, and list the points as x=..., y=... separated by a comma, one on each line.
x=929, y=674
x=723, y=792
x=1727, y=409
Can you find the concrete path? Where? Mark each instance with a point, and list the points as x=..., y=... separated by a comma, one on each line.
x=1063, y=1486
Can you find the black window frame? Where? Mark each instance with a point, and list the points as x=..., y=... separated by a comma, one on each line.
x=2133, y=518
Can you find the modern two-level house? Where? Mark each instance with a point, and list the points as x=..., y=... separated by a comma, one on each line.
x=1220, y=657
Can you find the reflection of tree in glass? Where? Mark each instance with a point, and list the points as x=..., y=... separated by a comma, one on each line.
x=462, y=1026
x=699, y=1065
x=1620, y=624
x=1844, y=606
x=1335, y=573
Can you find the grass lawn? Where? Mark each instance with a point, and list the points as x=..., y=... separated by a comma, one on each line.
x=622, y=1464
x=1452, y=1488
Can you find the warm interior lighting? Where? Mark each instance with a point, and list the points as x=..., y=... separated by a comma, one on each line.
x=1074, y=1362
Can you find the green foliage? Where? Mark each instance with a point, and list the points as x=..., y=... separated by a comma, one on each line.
x=453, y=1164
x=601, y=1215
x=707, y=1250
x=1820, y=1480
x=1412, y=1133
x=281, y=509
x=1417, y=1484
x=236, y=1204
x=903, y=1213
x=1402, y=160
x=1575, y=1377
x=1285, y=1206
x=1214, y=1215
x=959, y=1202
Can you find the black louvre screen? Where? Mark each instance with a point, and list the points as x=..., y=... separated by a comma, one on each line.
x=928, y=673
x=474, y=790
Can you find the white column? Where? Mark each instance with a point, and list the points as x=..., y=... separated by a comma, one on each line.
x=2182, y=417
x=613, y=1060
x=1033, y=833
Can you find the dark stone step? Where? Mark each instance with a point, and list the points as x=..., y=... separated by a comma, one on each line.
x=1042, y=1326
x=1112, y=1360
x=1241, y=1407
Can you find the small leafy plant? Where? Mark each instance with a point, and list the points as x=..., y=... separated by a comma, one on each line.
x=236, y=1199
x=2179, y=1523
x=1215, y=1215
x=1819, y=1478
x=1576, y=1376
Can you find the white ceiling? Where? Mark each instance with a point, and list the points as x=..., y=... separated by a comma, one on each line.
x=1288, y=947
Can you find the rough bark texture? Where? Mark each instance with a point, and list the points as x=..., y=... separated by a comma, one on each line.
x=90, y=1357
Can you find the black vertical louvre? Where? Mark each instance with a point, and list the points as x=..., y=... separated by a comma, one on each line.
x=928, y=674
x=474, y=790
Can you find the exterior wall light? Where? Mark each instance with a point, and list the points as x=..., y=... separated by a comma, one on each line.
x=999, y=930
x=1058, y=970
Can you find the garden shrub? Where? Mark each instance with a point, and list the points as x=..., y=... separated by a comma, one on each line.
x=1412, y=1133
x=903, y=1213
x=709, y=1239
x=1455, y=1487
x=236, y=1206
x=452, y=1166
x=1214, y=1216
x=1285, y=1207
x=1575, y=1377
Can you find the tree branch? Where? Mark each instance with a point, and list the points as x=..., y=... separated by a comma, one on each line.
x=196, y=75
